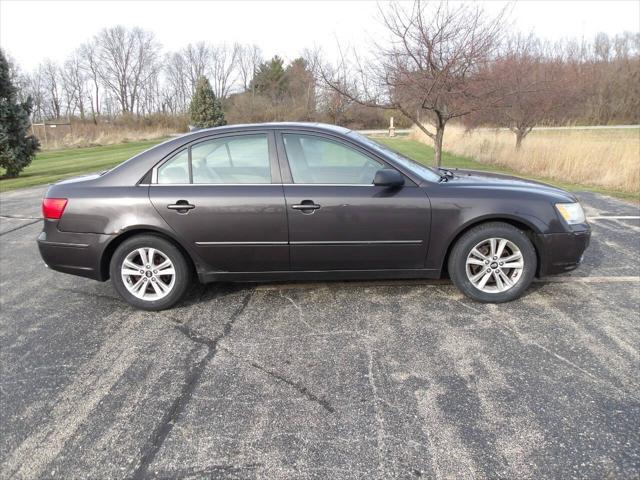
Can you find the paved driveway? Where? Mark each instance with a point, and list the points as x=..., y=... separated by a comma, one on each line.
x=331, y=380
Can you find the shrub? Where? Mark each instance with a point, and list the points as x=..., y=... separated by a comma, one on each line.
x=17, y=147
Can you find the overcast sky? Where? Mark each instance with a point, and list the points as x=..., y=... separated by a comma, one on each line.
x=34, y=30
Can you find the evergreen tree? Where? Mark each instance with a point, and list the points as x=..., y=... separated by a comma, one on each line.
x=205, y=109
x=271, y=79
x=17, y=147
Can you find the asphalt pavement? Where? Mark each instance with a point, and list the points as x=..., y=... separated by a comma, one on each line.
x=331, y=380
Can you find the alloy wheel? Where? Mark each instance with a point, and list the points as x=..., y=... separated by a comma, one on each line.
x=494, y=265
x=148, y=274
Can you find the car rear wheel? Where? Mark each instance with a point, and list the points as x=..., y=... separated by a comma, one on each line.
x=493, y=263
x=149, y=272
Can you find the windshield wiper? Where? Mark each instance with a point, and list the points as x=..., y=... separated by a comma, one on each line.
x=445, y=174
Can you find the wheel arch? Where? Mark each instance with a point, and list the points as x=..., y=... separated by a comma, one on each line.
x=111, y=247
x=527, y=227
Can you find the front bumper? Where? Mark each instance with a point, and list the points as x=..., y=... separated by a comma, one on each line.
x=74, y=253
x=561, y=252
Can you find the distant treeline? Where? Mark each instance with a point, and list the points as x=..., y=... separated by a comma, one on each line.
x=122, y=73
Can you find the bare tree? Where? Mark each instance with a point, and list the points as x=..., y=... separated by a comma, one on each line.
x=148, y=100
x=612, y=76
x=182, y=70
x=625, y=78
x=248, y=59
x=88, y=53
x=335, y=105
x=431, y=68
x=197, y=60
x=34, y=87
x=127, y=60
x=223, y=63
x=330, y=101
x=300, y=100
x=533, y=87
x=75, y=84
x=178, y=87
x=602, y=47
x=51, y=74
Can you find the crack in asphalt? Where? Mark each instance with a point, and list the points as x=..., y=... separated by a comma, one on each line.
x=378, y=414
x=292, y=383
x=212, y=471
x=90, y=295
x=20, y=217
x=20, y=226
x=178, y=406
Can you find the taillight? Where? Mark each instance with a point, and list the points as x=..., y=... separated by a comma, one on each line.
x=52, y=208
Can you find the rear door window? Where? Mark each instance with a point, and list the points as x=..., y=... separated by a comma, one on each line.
x=176, y=170
x=241, y=159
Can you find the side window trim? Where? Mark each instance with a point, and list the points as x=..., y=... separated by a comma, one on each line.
x=276, y=178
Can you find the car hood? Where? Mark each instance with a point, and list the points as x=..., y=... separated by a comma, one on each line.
x=476, y=178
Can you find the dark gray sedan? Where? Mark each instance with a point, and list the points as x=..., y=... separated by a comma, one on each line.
x=293, y=201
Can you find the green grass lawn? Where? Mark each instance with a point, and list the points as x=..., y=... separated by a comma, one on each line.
x=424, y=154
x=51, y=166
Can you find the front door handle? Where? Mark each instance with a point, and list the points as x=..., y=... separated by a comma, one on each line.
x=181, y=206
x=306, y=206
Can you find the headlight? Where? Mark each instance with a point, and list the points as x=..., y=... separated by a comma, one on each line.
x=571, y=212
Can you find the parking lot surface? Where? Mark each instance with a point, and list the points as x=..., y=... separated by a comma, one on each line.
x=322, y=380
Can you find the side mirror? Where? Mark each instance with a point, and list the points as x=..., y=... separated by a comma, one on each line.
x=388, y=177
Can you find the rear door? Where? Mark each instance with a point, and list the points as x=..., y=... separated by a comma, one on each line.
x=338, y=220
x=222, y=195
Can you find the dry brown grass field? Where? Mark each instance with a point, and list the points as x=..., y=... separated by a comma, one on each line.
x=606, y=158
x=86, y=134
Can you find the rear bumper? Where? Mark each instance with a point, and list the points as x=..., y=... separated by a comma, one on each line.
x=561, y=252
x=70, y=252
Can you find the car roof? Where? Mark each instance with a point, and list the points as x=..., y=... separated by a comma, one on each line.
x=323, y=127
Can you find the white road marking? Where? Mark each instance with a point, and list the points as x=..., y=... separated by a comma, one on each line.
x=600, y=279
x=433, y=283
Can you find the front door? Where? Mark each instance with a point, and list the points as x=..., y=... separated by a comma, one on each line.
x=218, y=196
x=338, y=220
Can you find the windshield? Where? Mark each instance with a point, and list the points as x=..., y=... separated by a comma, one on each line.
x=421, y=170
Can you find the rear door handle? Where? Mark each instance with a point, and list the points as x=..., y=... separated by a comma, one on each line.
x=181, y=206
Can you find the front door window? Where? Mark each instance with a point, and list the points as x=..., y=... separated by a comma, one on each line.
x=317, y=160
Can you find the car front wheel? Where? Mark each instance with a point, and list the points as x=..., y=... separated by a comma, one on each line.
x=149, y=272
x=493, y=263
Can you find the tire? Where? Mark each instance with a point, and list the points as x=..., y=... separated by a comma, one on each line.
x=468, y=269
x=168, y=288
